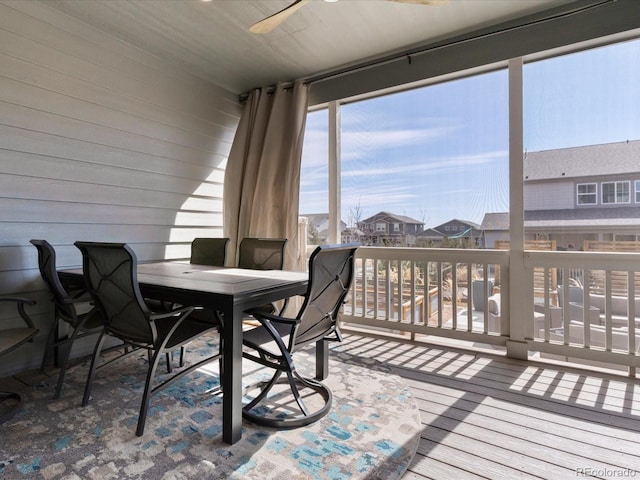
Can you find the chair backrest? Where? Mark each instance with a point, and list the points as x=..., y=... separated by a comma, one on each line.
x=330, y=275
x=47, y=266
x=209, y=251
x=262, y=253
x=110, y=271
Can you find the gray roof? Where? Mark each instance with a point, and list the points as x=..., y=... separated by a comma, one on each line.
x=495, y=221
x=457, y=220
x=393, y=216
x=431, y=233
x=592, y=160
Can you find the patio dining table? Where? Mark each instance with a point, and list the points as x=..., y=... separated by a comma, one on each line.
x=230, y=291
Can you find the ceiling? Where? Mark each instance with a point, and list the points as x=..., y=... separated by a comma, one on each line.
x=210, y=39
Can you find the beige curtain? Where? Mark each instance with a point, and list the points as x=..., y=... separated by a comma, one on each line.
x=262, y=178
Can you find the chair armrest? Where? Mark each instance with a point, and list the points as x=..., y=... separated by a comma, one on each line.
x=260, y=316
x=77, y=300
x=21, y=302
x=266, y=322
x=81, y=294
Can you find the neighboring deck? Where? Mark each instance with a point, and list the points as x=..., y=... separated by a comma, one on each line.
x=486, y=416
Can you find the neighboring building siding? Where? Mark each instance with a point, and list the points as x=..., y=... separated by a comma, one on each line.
x=549, y=196
x=99, y=141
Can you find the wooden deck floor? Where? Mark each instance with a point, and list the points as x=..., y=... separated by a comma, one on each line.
x=486, y=416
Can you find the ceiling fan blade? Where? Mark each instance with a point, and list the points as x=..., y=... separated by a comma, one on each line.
x=271, y=22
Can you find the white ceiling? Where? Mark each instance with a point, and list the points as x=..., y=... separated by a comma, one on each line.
x=211, y=39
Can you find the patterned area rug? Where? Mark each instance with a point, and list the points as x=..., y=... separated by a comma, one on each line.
x=371, y=432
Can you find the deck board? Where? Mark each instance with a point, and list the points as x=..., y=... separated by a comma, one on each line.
x=485, y=416
x=488, y=416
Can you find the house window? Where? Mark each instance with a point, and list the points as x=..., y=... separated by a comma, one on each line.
x=615, y=192
x=637, y=191
x=587, y=194
x=396, y=227
x=381, y=227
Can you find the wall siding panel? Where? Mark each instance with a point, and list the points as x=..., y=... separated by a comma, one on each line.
x=99, y=141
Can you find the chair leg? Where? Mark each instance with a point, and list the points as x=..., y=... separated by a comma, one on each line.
x=263, y=391
x=291, y=422
x=144, y=405
x=92, y=369
x=296, y=394
x=68, y=345
x=63, y=367
x=49, y=344
x=169, y=356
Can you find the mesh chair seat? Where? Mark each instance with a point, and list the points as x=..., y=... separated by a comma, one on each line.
x=209, y=251
x=263, y=254
x=110, y=271
x=274, y=343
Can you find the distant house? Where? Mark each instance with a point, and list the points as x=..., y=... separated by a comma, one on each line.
x=583, y=193
x=318, y=227
x=386, y=228
x=460, y=229
x=495, y=227
x=429, y=237
x=351, y=234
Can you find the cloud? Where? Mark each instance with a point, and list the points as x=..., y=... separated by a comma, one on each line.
x=431, y=166
x=357, y=144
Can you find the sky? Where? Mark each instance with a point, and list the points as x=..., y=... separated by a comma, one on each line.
x=441, y=152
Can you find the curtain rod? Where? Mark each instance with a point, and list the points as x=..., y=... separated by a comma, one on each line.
x=407, y=55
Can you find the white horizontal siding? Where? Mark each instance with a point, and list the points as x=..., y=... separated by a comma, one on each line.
x=99, y=141
x=549, y=196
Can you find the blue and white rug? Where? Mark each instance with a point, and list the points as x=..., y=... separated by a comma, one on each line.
x=371, y=432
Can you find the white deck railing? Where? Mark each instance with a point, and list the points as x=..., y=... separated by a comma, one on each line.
x=464, y=295
x=597, y=317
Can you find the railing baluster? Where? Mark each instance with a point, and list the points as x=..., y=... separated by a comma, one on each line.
x=376, y=287
x=440, y=293
x=607, y=309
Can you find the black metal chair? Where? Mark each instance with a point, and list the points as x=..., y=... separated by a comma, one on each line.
x=204, y=251
x=71, y=310
x=209, y=251
x=263, y=254
x=275, y=341
x=110, y=271
x=10, y=339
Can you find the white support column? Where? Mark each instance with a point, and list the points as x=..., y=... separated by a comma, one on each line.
x=518, y=308
x=334, y=173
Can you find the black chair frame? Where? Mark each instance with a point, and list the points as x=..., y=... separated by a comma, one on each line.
x=10, y=339
x=274, y=342
x=263, y=254
x=209, y=251
x=110, y=271
x=66, y=311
